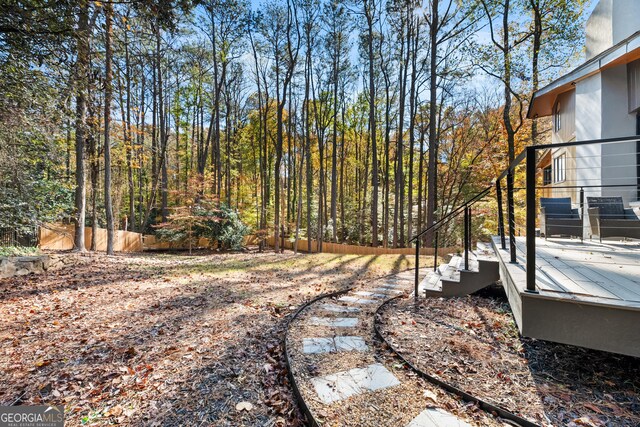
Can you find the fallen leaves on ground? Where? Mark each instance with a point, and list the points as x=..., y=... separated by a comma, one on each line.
x=165, y=340
x=473, y=343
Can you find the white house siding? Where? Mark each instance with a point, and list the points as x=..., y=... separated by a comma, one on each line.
x=618, y=159
x=567, y=132
x=588, y=126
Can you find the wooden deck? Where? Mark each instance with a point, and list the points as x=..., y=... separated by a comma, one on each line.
x=588, y=292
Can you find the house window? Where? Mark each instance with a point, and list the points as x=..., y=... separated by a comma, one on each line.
x=560, y=168
x=557, y=118
x=547, y=176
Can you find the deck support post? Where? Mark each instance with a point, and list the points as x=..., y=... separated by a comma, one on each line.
x=531, y=219
x=417, y=275
x=503, y=241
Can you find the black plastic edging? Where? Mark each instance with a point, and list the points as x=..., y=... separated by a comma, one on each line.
x=296, y=391
x=486, y=406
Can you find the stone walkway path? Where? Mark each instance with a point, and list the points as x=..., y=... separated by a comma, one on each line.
x=342, y=378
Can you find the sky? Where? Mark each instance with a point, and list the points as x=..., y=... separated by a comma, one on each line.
x=478, y=81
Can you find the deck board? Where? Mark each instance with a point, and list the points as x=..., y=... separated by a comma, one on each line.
x=586, y=271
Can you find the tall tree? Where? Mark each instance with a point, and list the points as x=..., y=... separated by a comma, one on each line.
x=506, y=40
x=282, y=31
x=336, y=21
x=450, y=24
x=81, y=82
x=557, y=35
x=369, y=8
x=108, y=97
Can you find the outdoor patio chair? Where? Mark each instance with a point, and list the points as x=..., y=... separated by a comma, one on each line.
x=609, y=218
x=558, y=219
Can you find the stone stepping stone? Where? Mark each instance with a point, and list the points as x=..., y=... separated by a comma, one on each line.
x=335, y=308
x=435, y=417
x=357, y=300
x=371, y=294
x=387, y=290
x=337, y=322
x=388, y=286
x=332, y=345
x=339, y=386
x=391, y=285
x=350, y=344
x=318, y=345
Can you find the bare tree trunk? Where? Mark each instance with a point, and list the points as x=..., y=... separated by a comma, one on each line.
x=369, y=7
x=140, y=150
x=412, y=41
x=398, y=217
x=334, y=150
x=433, y=125
x=129, y=139
x=94, y=165
x=420, y=179
x=535, y=67
x=162, y=143
x=307, y=124
x=342, y=163
x=108, y=93
x=82, y=71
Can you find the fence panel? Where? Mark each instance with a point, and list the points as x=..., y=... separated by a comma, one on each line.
x=338, y=248
x=60, y=237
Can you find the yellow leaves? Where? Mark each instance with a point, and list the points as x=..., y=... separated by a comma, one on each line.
x=42, y=362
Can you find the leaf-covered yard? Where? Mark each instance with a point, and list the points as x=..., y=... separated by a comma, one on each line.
x=165, y=339
x=473, y=343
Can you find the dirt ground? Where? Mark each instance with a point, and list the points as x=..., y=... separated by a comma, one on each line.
x=166, y=339
x=473, y=343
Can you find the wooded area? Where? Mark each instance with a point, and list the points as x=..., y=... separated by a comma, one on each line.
x=344, y=121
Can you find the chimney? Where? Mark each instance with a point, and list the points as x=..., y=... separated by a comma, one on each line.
x=611, y=22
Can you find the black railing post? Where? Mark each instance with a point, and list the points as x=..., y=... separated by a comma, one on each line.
x=470, y=228
x=417, y=276
x=435, y=253
x=531, y=219
x=503, y=241
x=511, y=216
x=582, y=213
x=466, y=238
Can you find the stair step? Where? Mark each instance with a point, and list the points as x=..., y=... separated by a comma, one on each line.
x=455, y=261
x=443, y=268
x=453, y=279
x=485, y=252
x=431, y=283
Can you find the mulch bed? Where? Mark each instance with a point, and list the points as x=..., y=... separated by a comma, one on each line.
x=473, y=343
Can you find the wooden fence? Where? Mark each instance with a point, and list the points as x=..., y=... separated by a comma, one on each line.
x=338, y=248
x=151, y=243
x=60, y=237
